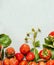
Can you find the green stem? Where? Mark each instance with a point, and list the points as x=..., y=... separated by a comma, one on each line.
x=33, y=43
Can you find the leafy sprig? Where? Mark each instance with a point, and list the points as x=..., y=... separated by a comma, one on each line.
x=35, y=43
x=49, y=42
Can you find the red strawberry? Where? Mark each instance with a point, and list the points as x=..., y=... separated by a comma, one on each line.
x=11, y=61
x=6, y=61
x=50, y=62
x=24, y=62
x=10, y=52
x=19, y=56
x=24, y=49
x=30, y=56
x=14, y=61
x=45, y=54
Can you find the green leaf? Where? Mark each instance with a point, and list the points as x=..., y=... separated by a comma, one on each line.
x=32, y=50
x=47, y=41
x=48, y=46
x=35, y=51
x=37, y=43
x=36, y=54
x=5, y=41
x=52, y=51
x=51, y=38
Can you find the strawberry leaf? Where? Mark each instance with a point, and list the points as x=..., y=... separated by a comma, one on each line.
x=37, y=43
x=52, y=52
x=5, y=41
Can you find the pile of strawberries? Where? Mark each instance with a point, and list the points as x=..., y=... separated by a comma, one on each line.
x=26, y=56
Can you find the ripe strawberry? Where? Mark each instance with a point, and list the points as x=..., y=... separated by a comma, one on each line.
x=50, y=62
x=6, y=61
x=19, y=56
x=33, y=63
x=30, y=56
x=24, y=49
x=24, y=62
x=51, y=34
x=14, y=61
x=10, y=52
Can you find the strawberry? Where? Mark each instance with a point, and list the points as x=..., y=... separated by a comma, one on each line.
x=14, y=61
x=32, y=63
x=50, y=62
x=6, y=61
x=23, y=62
x=45, y=54
x=24, y=49
x=11, y=61
x=19, y=56
x=10, y=52
x=30, y=56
